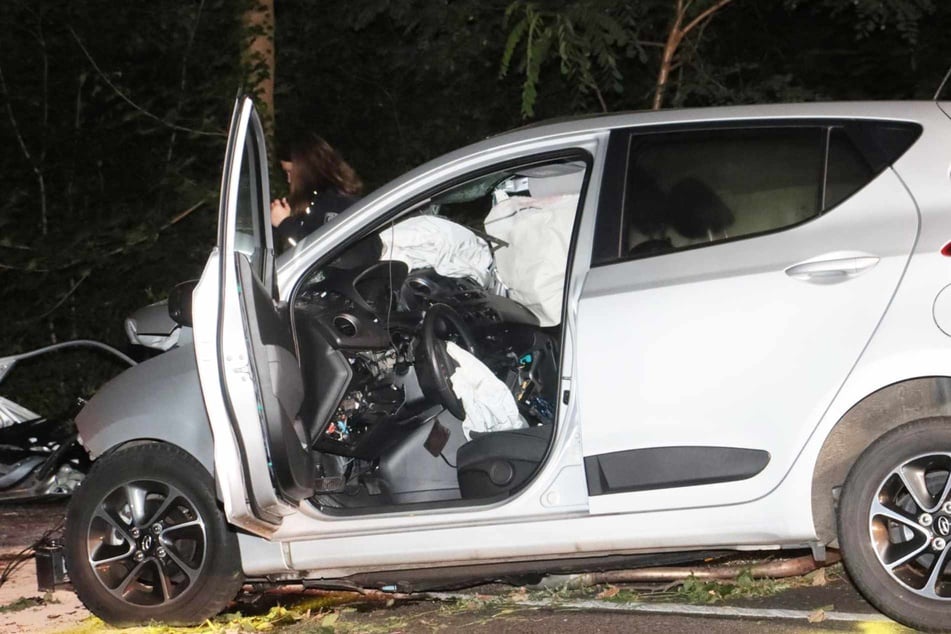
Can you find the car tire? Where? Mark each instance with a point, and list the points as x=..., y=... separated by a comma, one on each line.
x=894, y=518
x=146, y=541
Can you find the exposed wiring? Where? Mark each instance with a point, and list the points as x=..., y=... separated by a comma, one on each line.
x=446, y=460
x=389, y=268
x=76, y=343
x=390, y=290
x=27, y=553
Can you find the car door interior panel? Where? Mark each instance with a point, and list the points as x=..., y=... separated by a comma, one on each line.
x=280, y=387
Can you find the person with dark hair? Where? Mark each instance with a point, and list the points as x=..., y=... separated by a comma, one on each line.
x=322, y=185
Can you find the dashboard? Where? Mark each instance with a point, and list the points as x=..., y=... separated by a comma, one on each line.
x=358, y=331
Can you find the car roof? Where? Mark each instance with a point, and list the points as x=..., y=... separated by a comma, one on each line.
x=889, y=110
x=896, y=110
x=590, y=124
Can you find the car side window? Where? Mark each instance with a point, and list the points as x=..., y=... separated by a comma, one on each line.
x=847, y=170
x=250, y=238
x=690, y=189
x=680, y=189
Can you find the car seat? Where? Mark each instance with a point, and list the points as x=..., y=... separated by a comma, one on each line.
x=498, y=463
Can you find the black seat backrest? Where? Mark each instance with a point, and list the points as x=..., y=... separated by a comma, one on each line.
x=695, y=210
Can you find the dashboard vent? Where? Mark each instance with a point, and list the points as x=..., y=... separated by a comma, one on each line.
x=345, y=325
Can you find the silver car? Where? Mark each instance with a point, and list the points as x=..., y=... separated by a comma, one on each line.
x=654, y=332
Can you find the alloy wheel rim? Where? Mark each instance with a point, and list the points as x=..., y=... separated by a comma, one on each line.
x=146, y=543
x=910, y=525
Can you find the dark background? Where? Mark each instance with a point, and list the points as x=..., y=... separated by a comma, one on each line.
x=113, y=115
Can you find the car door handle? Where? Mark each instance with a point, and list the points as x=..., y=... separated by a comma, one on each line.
x=832, y=267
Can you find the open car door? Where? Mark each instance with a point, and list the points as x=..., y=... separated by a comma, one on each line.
x=250, y=376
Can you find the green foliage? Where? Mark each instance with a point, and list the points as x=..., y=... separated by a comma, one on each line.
x=776, y=50
x=869, y=16
x=695, y=590
x=586, y=38
x=598, y=46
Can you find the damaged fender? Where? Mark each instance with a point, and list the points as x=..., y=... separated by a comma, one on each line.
x=159, y=399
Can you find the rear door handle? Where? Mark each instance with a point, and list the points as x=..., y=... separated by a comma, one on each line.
x=833, y=267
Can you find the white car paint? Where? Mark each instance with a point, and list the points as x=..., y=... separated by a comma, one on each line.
x=896, y=339
x=727, y=349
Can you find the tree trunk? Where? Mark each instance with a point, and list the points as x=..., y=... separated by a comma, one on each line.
x=259, y=59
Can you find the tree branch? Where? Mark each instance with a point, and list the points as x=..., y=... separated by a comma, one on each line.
x=129, y=101
x=13, y=121
x=706, y=14
x=44, y=130
x=10, y=267
x=62, y=300
x=41, y=182
x=675, y=36
x=182, y=81
x=108, y=254
x=182, y=215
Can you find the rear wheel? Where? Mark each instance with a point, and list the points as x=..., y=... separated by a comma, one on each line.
x=895, y=524
x=146, y=541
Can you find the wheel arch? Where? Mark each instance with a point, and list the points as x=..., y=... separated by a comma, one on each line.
x=867, y=420
x=134, y=442
x=158, y=400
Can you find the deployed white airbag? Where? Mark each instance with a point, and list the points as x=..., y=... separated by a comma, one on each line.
x=428, y=241
x=532, y=267
x=489, y=404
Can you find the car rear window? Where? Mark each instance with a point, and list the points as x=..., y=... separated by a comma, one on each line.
x=691, y=188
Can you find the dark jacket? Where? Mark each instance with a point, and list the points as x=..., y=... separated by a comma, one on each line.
x=324, y=207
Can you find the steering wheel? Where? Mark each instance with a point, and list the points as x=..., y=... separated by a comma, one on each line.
x=434, y=366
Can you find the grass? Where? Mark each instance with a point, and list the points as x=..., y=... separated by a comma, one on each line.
x=693, y=590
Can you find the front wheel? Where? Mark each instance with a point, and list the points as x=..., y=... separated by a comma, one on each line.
x=146, y=541
x=895, y=524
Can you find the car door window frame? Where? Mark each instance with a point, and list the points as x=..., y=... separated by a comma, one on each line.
x=245, y=124
x=252, y=155
x=421, y=198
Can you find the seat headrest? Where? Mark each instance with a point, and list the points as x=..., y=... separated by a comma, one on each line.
x=695, y=210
